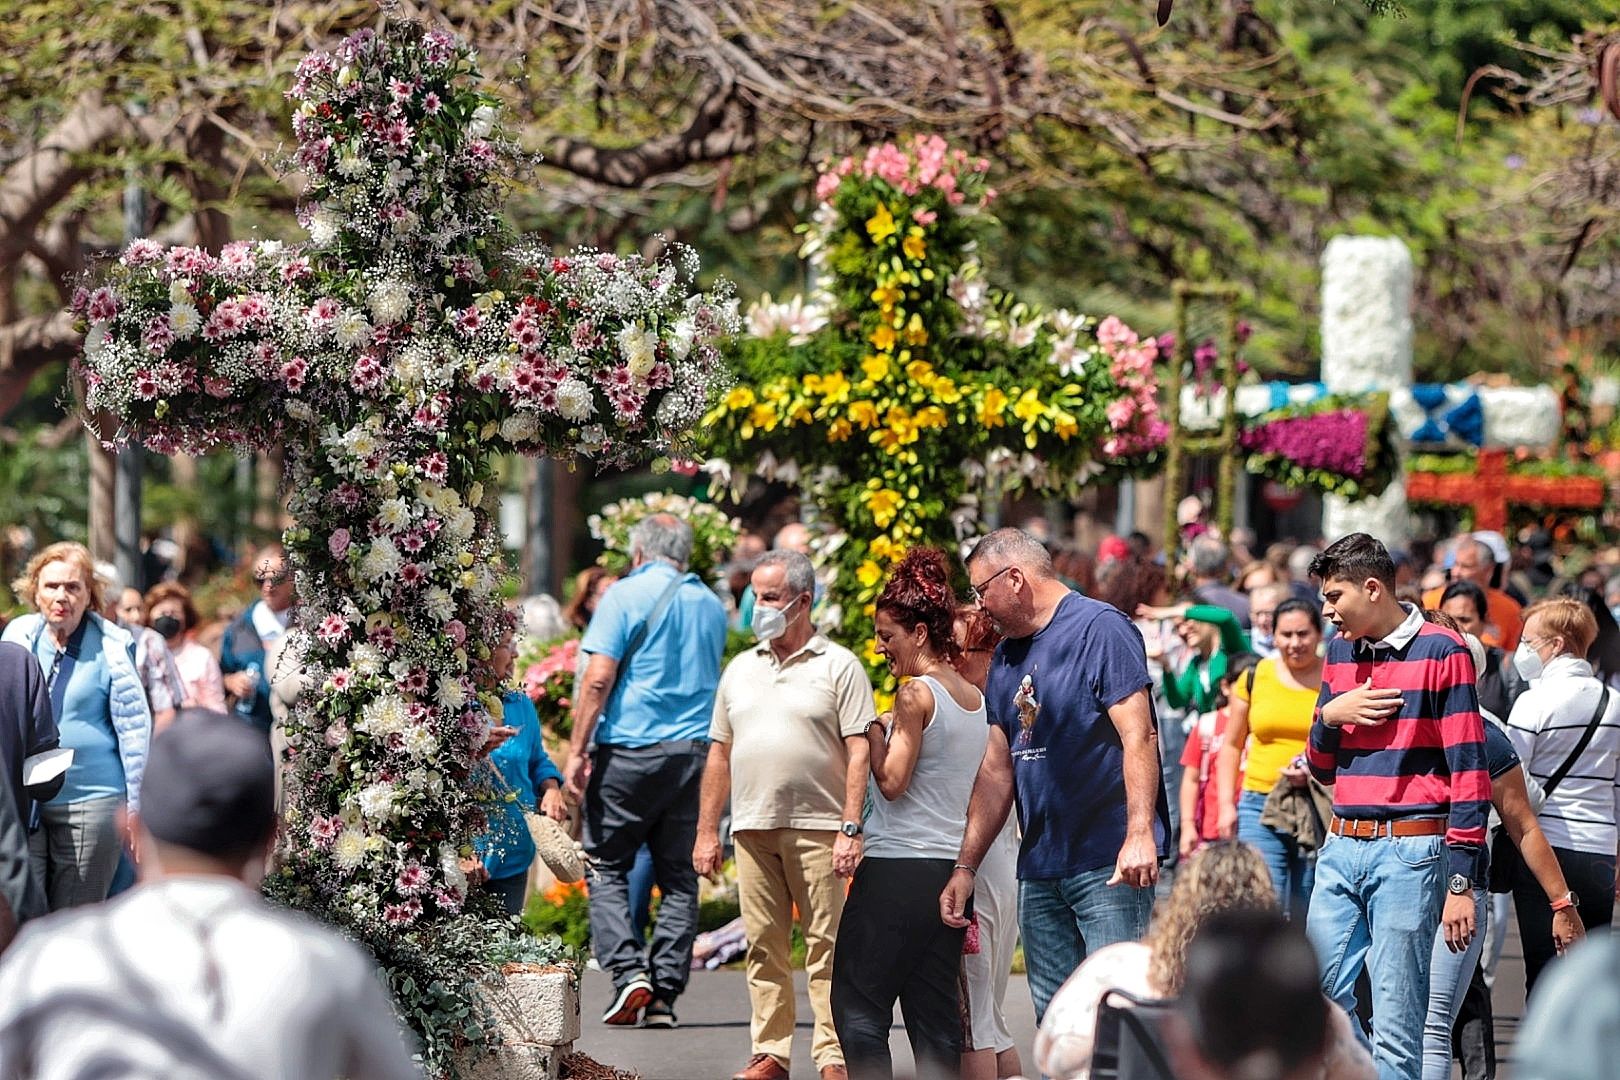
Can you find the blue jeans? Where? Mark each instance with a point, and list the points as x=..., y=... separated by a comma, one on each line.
x=1376, y=905
x=1449, y=975
x=1292, y=870
x=1062, y=920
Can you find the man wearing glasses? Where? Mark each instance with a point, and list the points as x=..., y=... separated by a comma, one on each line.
x=242, y=651
x=1263, y=601
x=1072, y=738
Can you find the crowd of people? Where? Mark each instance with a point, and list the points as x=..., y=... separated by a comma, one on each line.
x=1348, y=761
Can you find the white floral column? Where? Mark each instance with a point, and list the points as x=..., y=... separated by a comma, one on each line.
x=1367, y=345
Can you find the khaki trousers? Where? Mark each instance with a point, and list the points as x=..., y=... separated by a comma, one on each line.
x=776, y=870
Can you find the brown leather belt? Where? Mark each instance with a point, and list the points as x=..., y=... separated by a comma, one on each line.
x=1363, y=829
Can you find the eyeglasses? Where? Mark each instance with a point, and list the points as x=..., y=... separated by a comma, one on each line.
x=1256, y=616
x=271, y=577
x=977, y=591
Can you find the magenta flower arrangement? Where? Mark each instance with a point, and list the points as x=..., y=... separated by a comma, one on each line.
x=1334, y=441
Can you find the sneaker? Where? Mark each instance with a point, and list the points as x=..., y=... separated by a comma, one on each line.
x=632, y=997
x=659, y=1014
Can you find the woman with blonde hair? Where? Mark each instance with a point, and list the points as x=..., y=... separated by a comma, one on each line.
x=101, y=710
x=1566, y=730
x=1224, y=876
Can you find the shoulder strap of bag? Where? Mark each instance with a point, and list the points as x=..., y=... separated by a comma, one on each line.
x=639, y=637
x=1580, y=747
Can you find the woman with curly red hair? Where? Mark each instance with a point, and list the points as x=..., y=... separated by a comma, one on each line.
x=891, y=943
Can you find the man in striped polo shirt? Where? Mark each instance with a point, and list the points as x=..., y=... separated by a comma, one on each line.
x=1398, y=735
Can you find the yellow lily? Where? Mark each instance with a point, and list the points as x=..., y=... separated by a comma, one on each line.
x=880, y=226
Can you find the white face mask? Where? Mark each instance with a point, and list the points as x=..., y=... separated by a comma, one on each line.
x=1527, y=661
x=770, y=623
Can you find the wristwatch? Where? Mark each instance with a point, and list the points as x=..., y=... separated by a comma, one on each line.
x=1459, y=885
x=850, y=828
x=1567, y=901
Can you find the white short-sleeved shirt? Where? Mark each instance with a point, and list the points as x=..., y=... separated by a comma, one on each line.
x=786, y=722
x=190, y=978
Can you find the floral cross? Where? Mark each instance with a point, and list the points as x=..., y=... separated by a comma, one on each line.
x=906, y=394
x=410, y=340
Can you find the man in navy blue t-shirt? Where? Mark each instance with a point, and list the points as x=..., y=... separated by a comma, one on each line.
x=1072, y=736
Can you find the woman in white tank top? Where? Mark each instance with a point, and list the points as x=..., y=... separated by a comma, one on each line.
x=892, y=945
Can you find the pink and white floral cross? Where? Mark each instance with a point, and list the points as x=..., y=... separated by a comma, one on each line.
x=411, y=339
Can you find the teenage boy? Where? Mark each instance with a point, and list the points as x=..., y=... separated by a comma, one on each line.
x=1398, y=736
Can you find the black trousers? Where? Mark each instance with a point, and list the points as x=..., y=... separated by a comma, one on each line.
x=645, y=795
x=1590, y=876
x=892, y=947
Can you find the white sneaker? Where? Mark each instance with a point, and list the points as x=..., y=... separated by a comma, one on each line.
x=632, y=997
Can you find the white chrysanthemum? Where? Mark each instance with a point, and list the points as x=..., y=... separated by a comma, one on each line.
x=366, y=660
x=180, y=291
x=394, y=513
x=184, y=320
x=353, y=329
x=520, y=427
x=460, y=523
x=451, y=694
x=376, y=801
x=349, y=849
x=381, y=560
x=383, y=716
x=360, y=442
x=390, y=302
x=420, y=742
x=574, y=401
x=638, y=346
x=323, y=228
x=438, y=604
x=351, y=166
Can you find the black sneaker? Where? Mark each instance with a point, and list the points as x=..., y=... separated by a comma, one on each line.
x=659, y=1014
x=632, y=997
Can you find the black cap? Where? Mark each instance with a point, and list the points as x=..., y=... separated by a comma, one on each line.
x=210, y=785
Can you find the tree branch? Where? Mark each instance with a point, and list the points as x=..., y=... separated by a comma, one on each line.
x=41, y=179
x=722, y=128
x=28, y=345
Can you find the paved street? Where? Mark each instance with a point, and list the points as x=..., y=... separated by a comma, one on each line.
x=712, y=1041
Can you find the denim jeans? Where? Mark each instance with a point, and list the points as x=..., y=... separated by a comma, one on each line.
x=1449, y=975
x=1292, y=870
x=1062, y=920
x=1376, y=905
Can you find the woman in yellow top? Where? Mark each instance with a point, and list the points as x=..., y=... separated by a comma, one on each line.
x=1270, y=715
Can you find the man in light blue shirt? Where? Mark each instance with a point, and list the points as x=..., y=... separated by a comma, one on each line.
x=644, y=704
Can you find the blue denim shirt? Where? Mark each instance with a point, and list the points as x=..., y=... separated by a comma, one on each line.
x=668, y=692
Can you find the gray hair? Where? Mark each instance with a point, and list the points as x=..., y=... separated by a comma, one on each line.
x=1299, y=562
x=662, y=536
x=1209, y=557
x=801, y=576
x=1014, y=547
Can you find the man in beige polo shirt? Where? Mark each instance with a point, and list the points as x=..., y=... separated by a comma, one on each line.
x=788, y=745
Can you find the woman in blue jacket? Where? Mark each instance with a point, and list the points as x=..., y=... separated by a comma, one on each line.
x=528, y=782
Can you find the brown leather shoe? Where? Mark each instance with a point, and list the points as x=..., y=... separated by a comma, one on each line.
x=834, y=1072
x=762, y=1067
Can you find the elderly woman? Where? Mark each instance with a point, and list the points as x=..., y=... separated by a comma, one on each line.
x=532, y=781
x=101, y=711
x=172, y=614
x=1566, y=731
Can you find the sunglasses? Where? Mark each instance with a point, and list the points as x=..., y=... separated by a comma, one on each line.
x=269, y=577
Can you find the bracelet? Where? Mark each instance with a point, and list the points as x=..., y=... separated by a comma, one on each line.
x=965, y=866
x=1563, y=903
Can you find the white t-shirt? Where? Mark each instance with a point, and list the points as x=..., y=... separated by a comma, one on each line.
x=1545, y=727
x=194, y=978
x=786, y=723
